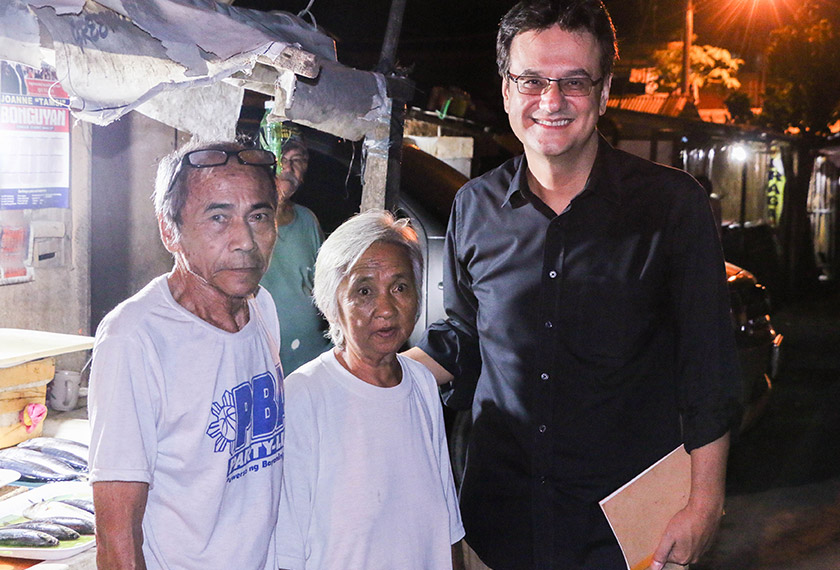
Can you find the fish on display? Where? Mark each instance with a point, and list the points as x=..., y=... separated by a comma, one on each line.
x=51, y=509
x=61, y=513
x=71, y=452
x=84, y=504
x=61, y=532
x=36, y=466
x=82, y=526
x=22, y=537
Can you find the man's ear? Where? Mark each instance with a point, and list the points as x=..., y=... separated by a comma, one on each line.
x=169, y=236
x=506, y=94
x=605, y=94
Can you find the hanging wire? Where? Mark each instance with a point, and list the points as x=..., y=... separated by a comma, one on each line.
x=349, y=171
x=306, y=12
x=56, y=83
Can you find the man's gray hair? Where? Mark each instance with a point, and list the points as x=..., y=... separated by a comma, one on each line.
x=342, y=250
x=295, y=144
x=171, y=189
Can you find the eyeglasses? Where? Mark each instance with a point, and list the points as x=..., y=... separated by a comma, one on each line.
x=214, y=157
x=569, y=86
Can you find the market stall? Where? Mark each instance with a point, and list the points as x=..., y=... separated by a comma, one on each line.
x=27, y=425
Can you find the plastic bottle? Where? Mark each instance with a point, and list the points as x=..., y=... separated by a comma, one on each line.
x=271, y=133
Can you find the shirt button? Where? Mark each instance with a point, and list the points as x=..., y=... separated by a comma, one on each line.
x=542, y=480
x=544, y=376
x=548, y=324
x=542, y=428
x=552, y=274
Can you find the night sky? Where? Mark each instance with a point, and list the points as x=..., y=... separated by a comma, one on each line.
x=740, y=24
x=451, y=42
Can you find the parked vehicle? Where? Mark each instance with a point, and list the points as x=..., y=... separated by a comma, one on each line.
x=759, y=345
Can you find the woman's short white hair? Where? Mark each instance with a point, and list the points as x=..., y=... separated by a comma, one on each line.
x=340, y=252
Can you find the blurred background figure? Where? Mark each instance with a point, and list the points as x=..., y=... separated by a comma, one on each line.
x=289, y=277
x=714, y=199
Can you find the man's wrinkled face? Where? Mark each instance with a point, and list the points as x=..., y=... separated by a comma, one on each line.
x=552, y=124
x=227, y=228
x=296, y=162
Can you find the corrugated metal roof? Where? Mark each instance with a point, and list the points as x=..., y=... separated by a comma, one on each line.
x=655, y=104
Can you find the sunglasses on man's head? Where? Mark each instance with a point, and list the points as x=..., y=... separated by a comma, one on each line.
x=214, y=157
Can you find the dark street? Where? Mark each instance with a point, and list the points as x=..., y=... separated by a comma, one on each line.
x=783, y=499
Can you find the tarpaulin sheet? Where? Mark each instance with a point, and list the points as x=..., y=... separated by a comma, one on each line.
x=165, y=58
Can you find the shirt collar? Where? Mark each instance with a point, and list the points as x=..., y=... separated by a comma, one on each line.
x=604, y=179
x=515, y=195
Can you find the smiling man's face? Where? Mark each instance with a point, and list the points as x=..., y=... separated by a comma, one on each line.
x=553, y=125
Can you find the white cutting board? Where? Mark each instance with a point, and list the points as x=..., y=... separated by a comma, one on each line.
x=20, y=345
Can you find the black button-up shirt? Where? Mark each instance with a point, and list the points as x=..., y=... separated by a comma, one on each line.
x=600, y=338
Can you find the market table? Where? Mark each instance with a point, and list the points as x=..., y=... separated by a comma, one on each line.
x=83, y=561
x=18, y=346
x=27, y=365
x=69, y=425
x=20, y=351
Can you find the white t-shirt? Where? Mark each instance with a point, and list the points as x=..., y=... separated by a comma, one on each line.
x=367, y=483
x=196, y=412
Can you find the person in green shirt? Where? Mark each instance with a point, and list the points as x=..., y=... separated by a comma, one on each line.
x=289, y=277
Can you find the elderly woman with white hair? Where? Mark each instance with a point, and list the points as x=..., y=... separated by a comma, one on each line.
x=367, y=480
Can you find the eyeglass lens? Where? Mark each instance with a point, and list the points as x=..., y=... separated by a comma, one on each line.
x=569, y=86
x=213, y=157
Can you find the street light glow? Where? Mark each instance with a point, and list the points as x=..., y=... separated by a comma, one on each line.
x=744, y=13
x=740, y=23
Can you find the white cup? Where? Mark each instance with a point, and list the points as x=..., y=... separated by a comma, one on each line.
x=64, y=390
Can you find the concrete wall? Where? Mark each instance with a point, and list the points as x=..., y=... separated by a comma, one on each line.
x=113, y=245
x=58, y=300
x=126, y=248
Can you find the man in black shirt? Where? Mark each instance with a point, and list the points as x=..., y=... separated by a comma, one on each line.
x=586, y=300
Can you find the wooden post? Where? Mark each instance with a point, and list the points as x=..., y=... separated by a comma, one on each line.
x=687, y=40
x=375, y=175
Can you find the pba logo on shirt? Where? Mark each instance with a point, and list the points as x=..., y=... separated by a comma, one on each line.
x=248, y=422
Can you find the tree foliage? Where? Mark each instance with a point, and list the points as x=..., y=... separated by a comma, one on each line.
x=709, y=65
x=738, y=105
x=803, y=78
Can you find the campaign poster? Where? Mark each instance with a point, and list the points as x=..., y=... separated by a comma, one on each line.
x=34, y=140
